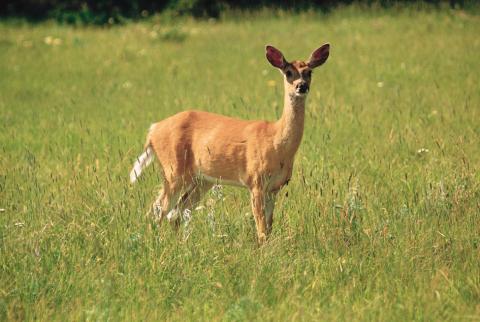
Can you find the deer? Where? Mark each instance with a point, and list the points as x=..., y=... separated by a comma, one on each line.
x=198, y=149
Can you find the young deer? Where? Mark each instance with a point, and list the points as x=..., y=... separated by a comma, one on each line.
x=198, y=149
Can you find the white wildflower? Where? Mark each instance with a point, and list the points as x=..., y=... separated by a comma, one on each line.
x=423, y=151
x=187, y=218
x=217, y=191
x=211, y=220
x=48, y=40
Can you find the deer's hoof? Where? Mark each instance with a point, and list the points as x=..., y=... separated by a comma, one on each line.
x=262, y=238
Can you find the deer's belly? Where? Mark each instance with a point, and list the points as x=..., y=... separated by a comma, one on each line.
x=217, y=169
x=220, y=180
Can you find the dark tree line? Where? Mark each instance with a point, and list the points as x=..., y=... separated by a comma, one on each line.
x=111, y=11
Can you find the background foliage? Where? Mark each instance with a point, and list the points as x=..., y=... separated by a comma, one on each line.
x=115, y=11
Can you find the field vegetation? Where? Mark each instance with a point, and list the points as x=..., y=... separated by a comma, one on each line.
x=381, y=220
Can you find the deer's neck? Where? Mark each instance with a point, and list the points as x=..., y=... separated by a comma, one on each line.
x=290, y=125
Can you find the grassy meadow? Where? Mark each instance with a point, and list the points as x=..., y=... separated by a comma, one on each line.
x=381, y=220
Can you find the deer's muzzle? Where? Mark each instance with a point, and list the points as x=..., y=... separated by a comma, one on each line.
x=302, y=88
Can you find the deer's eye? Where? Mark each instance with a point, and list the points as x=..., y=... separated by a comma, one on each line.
x=288, y=74
x=308, y=74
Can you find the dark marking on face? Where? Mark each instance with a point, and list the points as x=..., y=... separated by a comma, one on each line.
x=307, y=73
x=297, y=70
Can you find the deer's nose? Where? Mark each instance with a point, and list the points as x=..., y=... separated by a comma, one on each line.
x=302, y=88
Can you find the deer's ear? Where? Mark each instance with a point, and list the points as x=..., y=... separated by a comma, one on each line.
x=275, y=57
x=319, y=56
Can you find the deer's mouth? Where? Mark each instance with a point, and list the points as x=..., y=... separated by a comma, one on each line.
x=301, y=93
x=302, y=89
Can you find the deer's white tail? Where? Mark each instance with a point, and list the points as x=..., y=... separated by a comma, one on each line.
x=142, y=162
x=144, y=159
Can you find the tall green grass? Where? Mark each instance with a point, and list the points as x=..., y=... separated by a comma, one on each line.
x=379, y=222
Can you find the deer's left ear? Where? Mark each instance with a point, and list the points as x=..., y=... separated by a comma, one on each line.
x=319, y=56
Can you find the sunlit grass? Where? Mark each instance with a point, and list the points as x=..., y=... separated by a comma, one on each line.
x=379, y=222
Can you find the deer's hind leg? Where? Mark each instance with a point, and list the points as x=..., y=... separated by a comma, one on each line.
x=190, y=198
x=165, y=206
x=178, y=181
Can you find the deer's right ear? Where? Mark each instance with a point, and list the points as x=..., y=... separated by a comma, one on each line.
x=275, y=57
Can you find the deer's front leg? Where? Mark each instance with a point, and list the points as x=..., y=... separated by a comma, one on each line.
x=258, y=208
x=269, y=206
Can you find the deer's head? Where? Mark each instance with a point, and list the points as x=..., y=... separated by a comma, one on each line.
x=297, y=73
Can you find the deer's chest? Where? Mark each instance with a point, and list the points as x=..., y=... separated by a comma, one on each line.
x=279, y=176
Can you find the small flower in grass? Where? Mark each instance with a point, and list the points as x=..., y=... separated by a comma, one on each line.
x=271, y=83
x=422, y=151
x=2, y=209
x=48, y=40
x=187, y=218
x=217, y=191
x=127, y=85
x=380, y=84
x=211, y=220
x=19, y=224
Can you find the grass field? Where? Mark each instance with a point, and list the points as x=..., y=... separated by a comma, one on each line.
x=381, y=220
